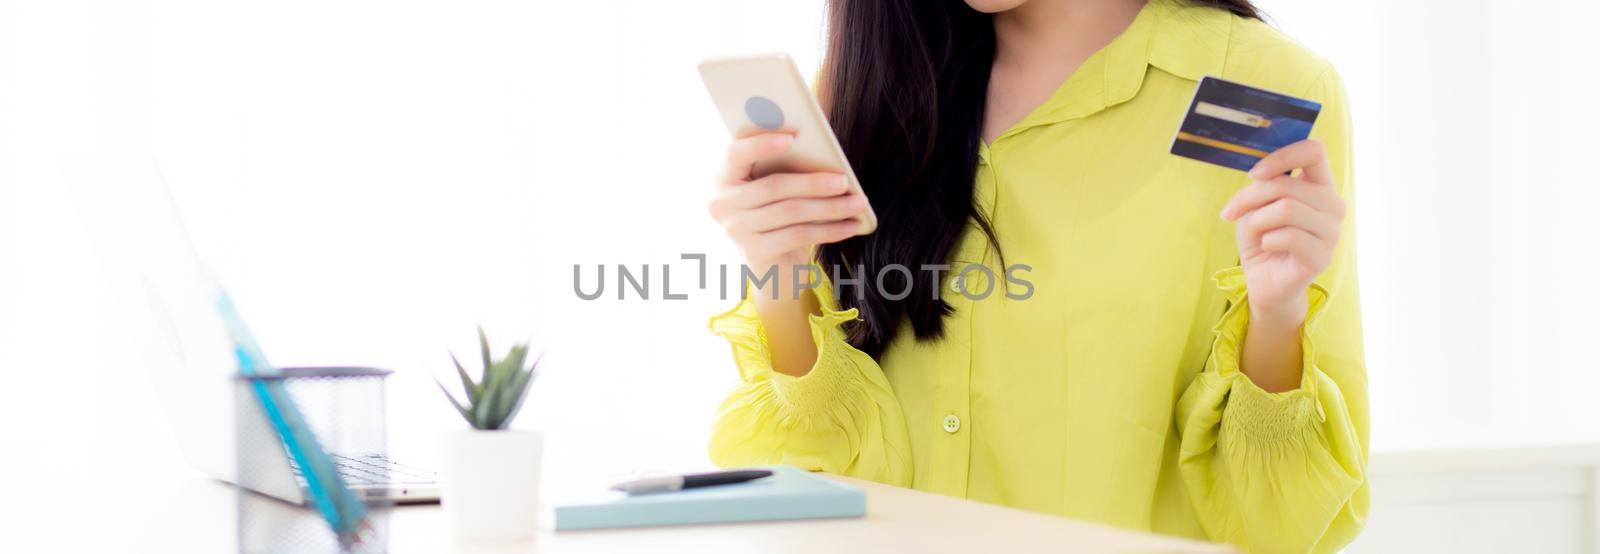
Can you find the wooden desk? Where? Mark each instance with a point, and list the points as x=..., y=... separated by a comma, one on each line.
x=898, y=520
x=199, y=516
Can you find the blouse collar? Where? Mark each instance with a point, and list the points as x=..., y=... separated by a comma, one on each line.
x=1173, y=35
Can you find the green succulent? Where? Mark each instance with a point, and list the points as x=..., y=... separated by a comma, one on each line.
x=496, y=397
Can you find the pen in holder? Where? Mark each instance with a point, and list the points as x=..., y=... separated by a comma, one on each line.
x=317, y=436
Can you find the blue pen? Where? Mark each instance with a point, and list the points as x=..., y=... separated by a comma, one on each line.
x=332, y=498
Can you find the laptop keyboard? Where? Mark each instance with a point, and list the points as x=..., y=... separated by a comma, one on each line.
x=374, y=469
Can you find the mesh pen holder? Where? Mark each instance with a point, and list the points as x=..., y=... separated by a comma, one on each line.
x=344, y=408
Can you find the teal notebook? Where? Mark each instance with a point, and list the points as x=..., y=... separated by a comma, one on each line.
x=790, y=493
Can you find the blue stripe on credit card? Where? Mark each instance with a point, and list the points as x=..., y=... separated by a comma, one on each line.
x=1235, y=125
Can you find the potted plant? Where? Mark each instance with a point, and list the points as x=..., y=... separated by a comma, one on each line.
x=489, y=479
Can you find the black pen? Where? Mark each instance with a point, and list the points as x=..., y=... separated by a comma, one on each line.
x=690, y=481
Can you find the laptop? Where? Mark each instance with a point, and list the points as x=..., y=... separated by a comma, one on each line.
x=170, y=299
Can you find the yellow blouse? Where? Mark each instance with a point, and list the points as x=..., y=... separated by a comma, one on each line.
x=1113, y=394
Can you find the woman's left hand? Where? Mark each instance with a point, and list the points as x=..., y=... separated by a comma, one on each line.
x=1287, y=229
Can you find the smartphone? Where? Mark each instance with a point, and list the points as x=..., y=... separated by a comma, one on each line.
x=764, y=94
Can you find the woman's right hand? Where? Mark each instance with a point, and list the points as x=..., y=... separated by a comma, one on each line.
x=778, y=219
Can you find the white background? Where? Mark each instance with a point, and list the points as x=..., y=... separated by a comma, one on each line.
x=372, y=179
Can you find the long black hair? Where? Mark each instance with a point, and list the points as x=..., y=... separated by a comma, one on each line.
x=904, y=84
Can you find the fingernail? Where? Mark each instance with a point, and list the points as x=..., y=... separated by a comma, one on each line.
x=1258, y=171
x=836, y=182
x=856, y=201
x=781, y=140
x=1223, y=214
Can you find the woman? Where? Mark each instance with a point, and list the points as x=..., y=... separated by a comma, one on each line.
x=1169, y=370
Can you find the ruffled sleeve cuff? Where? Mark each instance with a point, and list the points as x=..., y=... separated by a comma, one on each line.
x=1252, y=410
x=841, y=417
x=830, y=377
x=1267, y=470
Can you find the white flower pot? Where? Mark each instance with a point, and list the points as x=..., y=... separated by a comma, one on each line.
x=489, y=484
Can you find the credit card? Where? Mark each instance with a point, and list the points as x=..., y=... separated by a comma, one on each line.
x=1234, y=125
